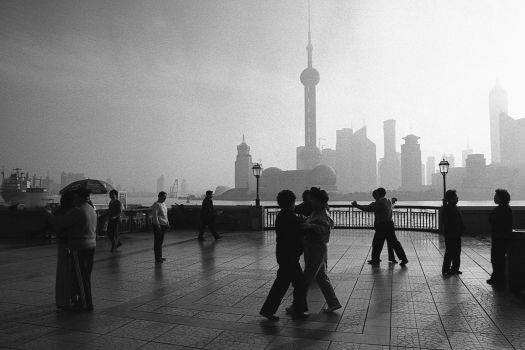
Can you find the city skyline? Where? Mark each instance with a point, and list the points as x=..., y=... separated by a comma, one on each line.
x=85, y=88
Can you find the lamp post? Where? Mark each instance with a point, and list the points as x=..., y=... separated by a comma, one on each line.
x=257, y=169
x=443, y=169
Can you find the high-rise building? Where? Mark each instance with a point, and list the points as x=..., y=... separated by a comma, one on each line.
x=411, y=164
x=328, y=157
x=342, y=158
x=430, y=169
x=355, y=161
x=498, y=104
x=160, y=183
x=243, y=167
x=389, y=165
x=464, y=154
x=476, y=173
x=512, y=141
x=309, y=156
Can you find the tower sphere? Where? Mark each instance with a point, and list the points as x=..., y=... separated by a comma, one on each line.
x=310, y=77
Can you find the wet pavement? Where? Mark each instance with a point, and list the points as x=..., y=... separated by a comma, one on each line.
x=208, y=295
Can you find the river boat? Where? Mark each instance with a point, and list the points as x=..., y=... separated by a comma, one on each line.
x=20, y=188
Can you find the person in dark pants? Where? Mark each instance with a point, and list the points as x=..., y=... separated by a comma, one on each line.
x=384, y=228
x=453, y=229
x=114, y=212
x=160, y=223
x=80, y=224
x=208, y=217
x=500, y=230
x=63, y=283
x=305, y=208
x=288, y=251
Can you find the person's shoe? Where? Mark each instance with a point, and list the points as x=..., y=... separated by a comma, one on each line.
x=393, y=261
x=331, y=309
x=159, y=260
x=290, y=310
x=218, y=237
x=403, y=262
x=270, y=317
x=374, y=262
x=445, y=273
x=456, y=272
x=300, y=315
x=201, y=239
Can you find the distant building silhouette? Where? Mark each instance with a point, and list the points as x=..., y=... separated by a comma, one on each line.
x=356, y=161
x=328, y=157
x=498, y=104
x=464, y=154
x=160, y=183
x=430, y=169
x=450, y=159
x=476, y=173
x=390, y=166
x=273, y=180
x=411, y=164
x=244, y=178
x=512, y=141
x=309, y=156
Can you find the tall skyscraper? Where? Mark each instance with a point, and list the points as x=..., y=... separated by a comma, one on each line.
x=355, y=161
x=309, y=156
x=243, y=167
x=512, y=141
x=160, y=184
x=498, y=104
x=389, y=165
x=430, y=169
x=411, y=164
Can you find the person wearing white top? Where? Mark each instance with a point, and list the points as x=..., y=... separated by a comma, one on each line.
x=159, y=219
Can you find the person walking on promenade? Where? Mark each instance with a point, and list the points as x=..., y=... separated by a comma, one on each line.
x=161, y=224
x=305, y=208
x=208, y=217
x=317, y=235
x=289, y=238
x=63, y=283
x=384, y=228
x=453, y=229
x=80, y=224
x=114, y=212
x=500, y=230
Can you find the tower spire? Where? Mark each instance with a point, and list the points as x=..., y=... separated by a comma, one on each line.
x=309, y=47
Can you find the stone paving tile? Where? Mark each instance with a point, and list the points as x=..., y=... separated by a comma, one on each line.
x=209, y=296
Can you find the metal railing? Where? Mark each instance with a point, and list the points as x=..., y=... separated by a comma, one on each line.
x=131, y=220
x=415, y=218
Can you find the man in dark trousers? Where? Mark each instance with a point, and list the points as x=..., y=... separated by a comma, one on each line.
x=288, y=251
x=114, y=212
x=208, y=217
x=159, y=219
x=384, y=227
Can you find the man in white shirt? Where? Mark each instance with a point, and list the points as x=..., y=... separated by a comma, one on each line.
x=161, y=224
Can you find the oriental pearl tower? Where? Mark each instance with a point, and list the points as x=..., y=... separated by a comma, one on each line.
x=309, y=156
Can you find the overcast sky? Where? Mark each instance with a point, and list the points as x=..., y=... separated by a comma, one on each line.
x=134, y=89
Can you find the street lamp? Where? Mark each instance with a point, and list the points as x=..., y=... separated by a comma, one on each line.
x=257, y=169
x=443, y=169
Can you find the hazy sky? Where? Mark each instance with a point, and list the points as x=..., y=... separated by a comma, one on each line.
x=134, y=89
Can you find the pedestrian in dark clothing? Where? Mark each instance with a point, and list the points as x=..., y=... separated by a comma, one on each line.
x=305, y=208
x=288, y=251
x=159, y=218
x=384, y=228
x=114, y=212
x=80, y=224
x=63, y=297
x=317, y=230
x=208, y=217
x=453, y=229
x=500, y=230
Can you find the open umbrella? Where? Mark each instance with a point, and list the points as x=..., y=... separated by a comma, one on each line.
x=94, y=186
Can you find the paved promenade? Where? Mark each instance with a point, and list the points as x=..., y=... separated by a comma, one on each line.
x=207, y=296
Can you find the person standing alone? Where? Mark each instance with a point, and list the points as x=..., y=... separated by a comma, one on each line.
x=161, y=224
x=454, y=228
x=500, y=230
x=114, y=211
x=208, y=217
